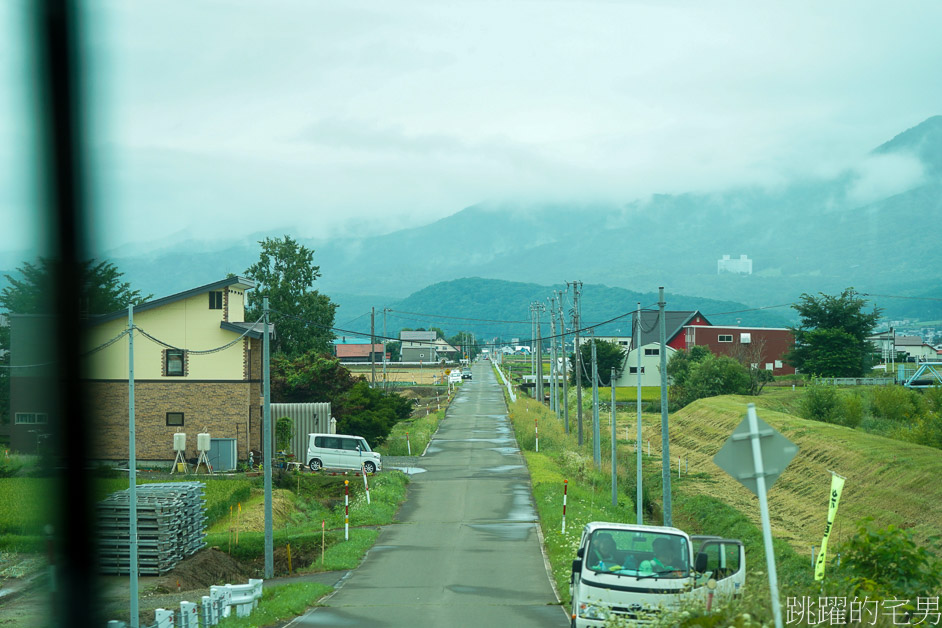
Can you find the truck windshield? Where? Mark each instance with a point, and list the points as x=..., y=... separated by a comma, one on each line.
x=648, y=554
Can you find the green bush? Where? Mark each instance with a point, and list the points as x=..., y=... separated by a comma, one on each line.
x=898, y=404
x=820, y=403
x=851, y=411
x=885, y=563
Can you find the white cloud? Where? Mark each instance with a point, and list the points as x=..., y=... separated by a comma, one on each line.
x=880, y=176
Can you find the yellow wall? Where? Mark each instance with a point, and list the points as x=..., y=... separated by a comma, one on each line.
x=187, y=324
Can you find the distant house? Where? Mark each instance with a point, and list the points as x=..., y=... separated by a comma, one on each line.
x=650, y=366
x=418, y=346
x=358, y=350
x=445, y=350
x=197, y=368
x=761, y=347
x=674, y=323
x=914, y=348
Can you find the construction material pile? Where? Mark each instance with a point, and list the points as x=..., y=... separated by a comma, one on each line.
x=171, y=525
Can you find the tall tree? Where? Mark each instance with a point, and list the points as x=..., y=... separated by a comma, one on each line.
x=303, y=317
x=103, y=289
x=608, y=355
x=831, y=338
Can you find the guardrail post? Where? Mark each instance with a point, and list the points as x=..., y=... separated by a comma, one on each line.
x=209, y=616
x=189, y=615
x=163, y=618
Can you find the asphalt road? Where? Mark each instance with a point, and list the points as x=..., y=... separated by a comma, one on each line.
x=467, y=551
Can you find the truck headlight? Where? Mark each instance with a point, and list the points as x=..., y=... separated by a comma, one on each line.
x=593, y=611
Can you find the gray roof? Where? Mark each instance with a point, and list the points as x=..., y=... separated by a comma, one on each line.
x=650, y=326
x=243, y=282
x=255, y=329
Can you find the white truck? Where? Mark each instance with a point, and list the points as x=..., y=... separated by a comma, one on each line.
x=632, y=573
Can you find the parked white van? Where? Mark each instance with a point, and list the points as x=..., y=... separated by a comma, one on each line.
x=341, y=451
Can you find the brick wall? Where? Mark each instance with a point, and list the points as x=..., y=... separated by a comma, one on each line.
x=220, y=408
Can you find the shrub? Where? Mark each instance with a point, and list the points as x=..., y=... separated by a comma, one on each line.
x=886, y=563
x=851, y=411
x=898, y=404
x=820, y=403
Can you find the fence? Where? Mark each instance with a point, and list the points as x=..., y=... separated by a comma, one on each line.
x=211, y=608
x=855, y=381
x=510, y=389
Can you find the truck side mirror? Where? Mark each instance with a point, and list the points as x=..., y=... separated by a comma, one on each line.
x=580, y=552
x=701, y=563
x=577, y=565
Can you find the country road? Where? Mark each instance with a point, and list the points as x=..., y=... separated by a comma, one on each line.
x=467, y=551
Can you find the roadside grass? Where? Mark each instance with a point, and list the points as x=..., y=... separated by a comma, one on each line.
x=280, y=603
x=889, y=480
x=419, y=430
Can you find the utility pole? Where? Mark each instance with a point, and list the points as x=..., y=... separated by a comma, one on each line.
x=554, y=380
x=614, y=475
x=385, y=339
x=538, y=309
x=132, y=479
x=665, y=441
x=562, y=330
x=267, y=446
x=596, y=429
x=372, y=346
x=636, y=336
x=576, y=286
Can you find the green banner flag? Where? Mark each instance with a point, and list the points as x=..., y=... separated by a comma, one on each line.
x=837, y=485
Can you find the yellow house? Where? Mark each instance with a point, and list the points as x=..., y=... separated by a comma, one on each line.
x=197, y=368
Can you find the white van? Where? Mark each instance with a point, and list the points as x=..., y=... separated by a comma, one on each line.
x=633, y=573
x=341, y=451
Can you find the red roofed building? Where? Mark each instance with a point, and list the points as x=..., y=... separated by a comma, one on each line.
x=763, y=347
x=359, y=352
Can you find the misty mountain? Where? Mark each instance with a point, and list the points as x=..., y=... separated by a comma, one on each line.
x=495, y=308
x=875, y=228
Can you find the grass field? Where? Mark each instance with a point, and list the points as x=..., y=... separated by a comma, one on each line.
x=426, y=376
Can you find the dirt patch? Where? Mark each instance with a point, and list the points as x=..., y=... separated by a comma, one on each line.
x=203, y=569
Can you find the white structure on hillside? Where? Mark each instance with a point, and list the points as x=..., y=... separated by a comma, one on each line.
x=741, y=266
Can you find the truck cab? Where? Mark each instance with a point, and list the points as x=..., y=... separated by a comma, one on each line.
x=633, y=573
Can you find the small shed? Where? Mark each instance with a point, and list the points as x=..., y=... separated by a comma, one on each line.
x=309, y=418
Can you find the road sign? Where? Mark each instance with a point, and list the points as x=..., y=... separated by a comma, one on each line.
x=756, y=455
x=736, y=455
x=447, y=371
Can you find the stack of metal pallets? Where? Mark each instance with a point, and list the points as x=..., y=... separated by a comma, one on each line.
x=171, y=525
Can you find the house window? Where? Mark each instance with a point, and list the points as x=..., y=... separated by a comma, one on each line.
x=745, y=338
x=768, y=366
x=633, y=370
x=725, y=338
x=174, y=362
x=652, y=352
x=175, y=419
x=215, y=300
x=32, y=418
x=778, y=364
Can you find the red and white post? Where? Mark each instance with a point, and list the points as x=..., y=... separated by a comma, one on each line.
x=565, y=491
x=536, y=428
x=366, y=484
x=346, y=509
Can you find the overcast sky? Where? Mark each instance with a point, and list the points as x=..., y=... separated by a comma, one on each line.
x=219, y=118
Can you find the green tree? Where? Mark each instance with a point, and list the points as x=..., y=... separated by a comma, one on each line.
x=608, y=355
x=303, y=317
x=103, y=291
x=462, y=341
x=312, y=377
x=371, y=413
x=697, y=373
x=831, y=338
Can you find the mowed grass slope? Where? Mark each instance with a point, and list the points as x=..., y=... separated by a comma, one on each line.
x=892, y=481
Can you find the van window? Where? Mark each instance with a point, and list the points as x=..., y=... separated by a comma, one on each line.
x=327, y=442
x=350, y=444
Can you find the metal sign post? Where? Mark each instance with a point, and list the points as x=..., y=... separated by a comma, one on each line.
x=769, y=452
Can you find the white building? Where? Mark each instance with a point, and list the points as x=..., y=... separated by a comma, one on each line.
x=741, y=266
x=650, y=366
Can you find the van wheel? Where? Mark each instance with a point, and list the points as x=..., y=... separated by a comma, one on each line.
x=315, y=464
x=369, y=467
